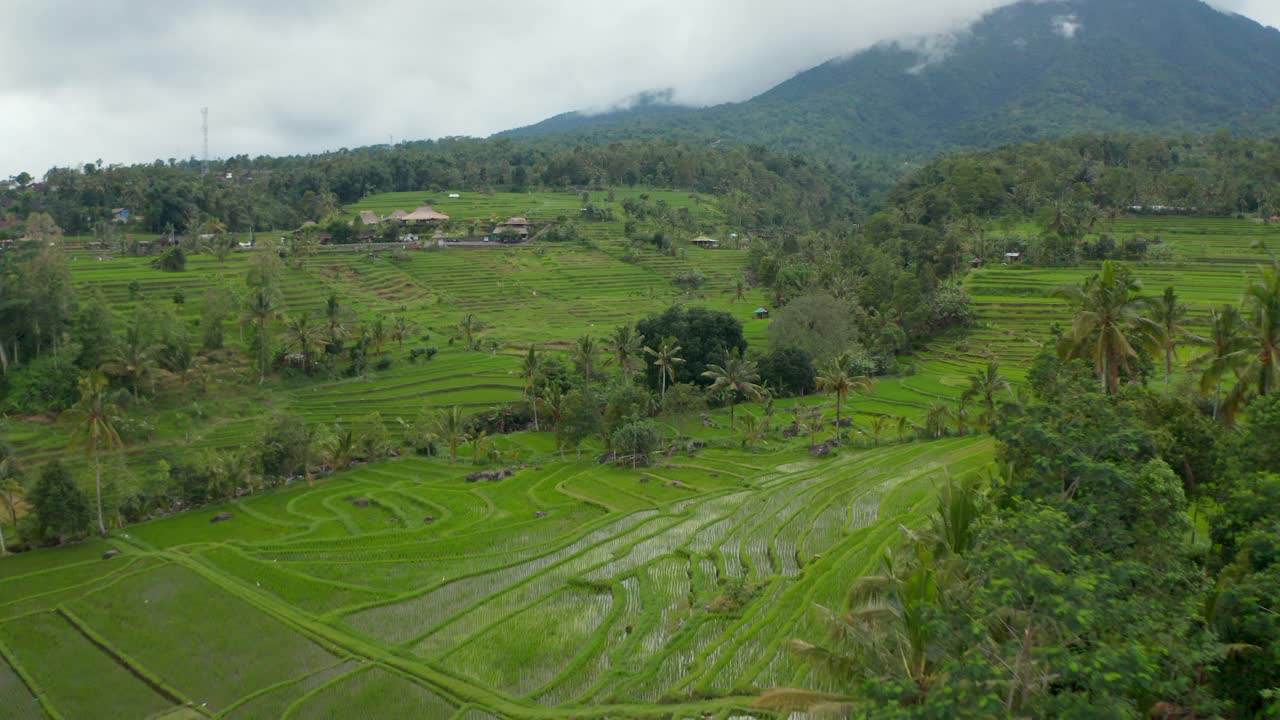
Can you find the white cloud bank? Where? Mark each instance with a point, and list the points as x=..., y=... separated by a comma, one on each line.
x=124, y=80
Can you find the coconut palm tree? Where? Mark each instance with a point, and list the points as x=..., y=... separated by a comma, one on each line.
x=10, y=487
x=666, y=358
x=1225, y=342
x=260, y=310
x=888, y=631
x=340, y=450
x=837, y=377
x=737, y=375
x=878, y=424
x=531, y=371
x=1260, y=360
x=96, y=418
x=936, y=420
x=586, y=355
x=1107, y=324
x=10, y=481
x=334, y=320
x=400, y=331
x=378, y=334
x=626, y=346
x=903, y=425
x=1165, y=328
x=985, y=386
x=307, y=336
x=451, y=427
x=134, y=357
x=469, y=326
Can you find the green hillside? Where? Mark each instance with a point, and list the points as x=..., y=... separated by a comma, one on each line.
x=1028, y=71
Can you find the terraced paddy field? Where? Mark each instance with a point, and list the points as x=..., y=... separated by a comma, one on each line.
x=543, y=294
x=1208, y=260
x=402, y=590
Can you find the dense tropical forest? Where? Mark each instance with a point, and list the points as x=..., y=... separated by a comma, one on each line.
x=1079, y=523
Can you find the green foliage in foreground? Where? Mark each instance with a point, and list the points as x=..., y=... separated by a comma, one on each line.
x=1079, y=584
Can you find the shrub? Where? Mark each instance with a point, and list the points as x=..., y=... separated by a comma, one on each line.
x=383, y=364
x=173, y=260
x=633, y=442
x=423, y=353
x=61, y=506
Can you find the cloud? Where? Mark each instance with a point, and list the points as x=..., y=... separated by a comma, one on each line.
x=1067, y=25
x=124, y=80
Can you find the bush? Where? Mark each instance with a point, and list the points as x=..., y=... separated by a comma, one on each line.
x=45, y=385
x=173, y=260
x=692, y=279
x=383, y=364
x=61, y=506
x=789, y=371
x=633, y=442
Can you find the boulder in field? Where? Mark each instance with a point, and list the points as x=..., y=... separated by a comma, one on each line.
x=221, y=517
x=110, y=554
x=361, y=502
x=540, y=514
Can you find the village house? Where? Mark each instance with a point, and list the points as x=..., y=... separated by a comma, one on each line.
x=762, y=313
x=514, y=230
x=369, y=217
x=120, y=215
x=706, y=242
x=426, y=215
x=398, y=216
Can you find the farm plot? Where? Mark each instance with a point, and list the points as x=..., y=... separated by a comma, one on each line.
x=527, y=598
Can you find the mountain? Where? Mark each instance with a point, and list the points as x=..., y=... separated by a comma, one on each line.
x=1035, y=69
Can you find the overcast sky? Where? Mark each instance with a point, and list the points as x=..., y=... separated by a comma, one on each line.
x=124, y=80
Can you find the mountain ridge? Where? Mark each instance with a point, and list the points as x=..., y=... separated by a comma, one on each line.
x=1036, y=69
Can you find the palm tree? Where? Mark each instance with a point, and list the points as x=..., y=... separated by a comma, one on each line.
x=531, y=371
x=666, y=358
x=401, y=329
x=1225, y=342
x=838, y=378
x=333, y=317
x=469, y=326
x=134, y=357
x=95, y=422
x=626, y=345
x=261, y=308
x=1107, y=322
x=936, y=420
x=341, y=448
x=1260, y=361
x=307, y=337
x=378, y=334
x=451, y=426
x=1166, y=329
x=737, y=375
x=889, y=630
x=586, y=355
x=903, y=425
x=9, y=488
x=878, y=424
x=961, y=415
x=10, y=480
x=985, y=386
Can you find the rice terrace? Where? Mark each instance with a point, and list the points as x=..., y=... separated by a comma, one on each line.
x=939, y=380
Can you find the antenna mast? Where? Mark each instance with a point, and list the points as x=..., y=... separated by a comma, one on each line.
x=204, y=129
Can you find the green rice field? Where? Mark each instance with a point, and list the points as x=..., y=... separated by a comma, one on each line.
x=402, y=590
x=569, y=590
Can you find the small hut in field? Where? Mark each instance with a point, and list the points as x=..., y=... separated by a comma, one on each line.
x=762, y=313
x=427, y=216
